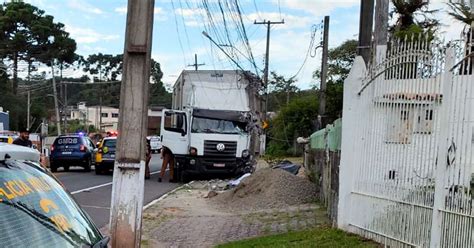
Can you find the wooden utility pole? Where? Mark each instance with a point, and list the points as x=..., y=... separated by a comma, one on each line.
x=129, y=169
x=55, y=96
x=324, y=73
x=365, y=29
x=267, y=57
x=28, y=110
x=265, y=80
x=196, y=65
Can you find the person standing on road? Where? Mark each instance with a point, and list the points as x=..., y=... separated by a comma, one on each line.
x=24, y=139
x=148, y=159
x=168, y=158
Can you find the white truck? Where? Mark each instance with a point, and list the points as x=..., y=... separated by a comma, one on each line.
x=210, y=126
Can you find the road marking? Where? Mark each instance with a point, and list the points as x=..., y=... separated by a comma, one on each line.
x=104, y=185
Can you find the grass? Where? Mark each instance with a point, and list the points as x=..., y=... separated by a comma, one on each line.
x=318, y=237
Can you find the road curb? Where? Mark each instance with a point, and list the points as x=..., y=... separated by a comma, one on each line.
x=164, y=196
x=105, y=229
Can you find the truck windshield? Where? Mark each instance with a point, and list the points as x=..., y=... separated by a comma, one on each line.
x=205, y=125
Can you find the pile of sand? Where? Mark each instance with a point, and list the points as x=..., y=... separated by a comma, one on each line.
x=268, y=188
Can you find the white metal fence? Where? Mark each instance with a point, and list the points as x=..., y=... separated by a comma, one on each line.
x=407, y=159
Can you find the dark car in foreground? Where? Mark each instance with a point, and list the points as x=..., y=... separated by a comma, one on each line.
x=36, y=211
x=72, y=150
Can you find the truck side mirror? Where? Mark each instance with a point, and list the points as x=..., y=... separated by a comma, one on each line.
x=183, y=132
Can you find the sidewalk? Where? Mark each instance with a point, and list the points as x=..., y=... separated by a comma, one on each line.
x=187, y=218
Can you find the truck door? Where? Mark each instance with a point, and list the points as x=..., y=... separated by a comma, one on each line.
x=174, y=131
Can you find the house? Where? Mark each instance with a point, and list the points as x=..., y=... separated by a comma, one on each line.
x=104, y=117
x=108, y=117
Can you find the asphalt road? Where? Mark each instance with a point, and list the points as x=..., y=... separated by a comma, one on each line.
x=93, y=192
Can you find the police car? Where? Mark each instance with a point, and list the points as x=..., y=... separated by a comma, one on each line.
x=105, y=156
x=36, y=211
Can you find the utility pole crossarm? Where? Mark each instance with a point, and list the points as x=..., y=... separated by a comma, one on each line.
x=196, y=65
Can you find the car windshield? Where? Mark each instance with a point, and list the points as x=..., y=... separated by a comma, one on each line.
x=36, y=211
x=205, y=125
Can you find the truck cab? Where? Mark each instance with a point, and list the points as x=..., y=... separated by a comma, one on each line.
x=207, y=142
x=209, y=128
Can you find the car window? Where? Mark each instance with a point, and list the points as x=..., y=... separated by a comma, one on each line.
x=67, y=141
x=36, y=211
x=110, y=143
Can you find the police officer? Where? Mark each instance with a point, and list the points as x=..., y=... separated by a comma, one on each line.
x=24, y=139
x=148, y=158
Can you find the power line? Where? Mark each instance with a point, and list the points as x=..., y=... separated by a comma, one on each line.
x=312, y=48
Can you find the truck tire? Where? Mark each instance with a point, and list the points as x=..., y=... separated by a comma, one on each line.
x=185, y=177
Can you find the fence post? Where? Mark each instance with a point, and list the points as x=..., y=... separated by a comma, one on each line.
x=443, y=145
x=350, y=116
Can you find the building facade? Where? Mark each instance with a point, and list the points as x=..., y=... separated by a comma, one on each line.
x=107, y=118
x=4, y=120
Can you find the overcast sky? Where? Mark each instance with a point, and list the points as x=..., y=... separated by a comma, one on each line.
x=99, y=26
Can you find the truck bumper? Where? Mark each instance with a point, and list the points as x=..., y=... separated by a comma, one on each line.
x=199, y=165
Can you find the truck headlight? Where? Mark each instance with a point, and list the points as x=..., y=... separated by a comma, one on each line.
x=245, y=153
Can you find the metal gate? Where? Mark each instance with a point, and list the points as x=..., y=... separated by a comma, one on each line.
x=412, y=147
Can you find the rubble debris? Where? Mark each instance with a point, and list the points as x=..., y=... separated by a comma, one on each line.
x=235, y=182
x=268, y=188
x=211, y=194
x=288, y=166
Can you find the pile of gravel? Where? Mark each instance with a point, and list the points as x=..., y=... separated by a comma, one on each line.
x=268, y=188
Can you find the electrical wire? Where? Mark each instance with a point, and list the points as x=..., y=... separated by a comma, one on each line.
x=311, y=49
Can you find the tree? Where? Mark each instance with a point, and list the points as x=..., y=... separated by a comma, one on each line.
x=107, y=67
x=340, y=60
x=30, y=35
x=158, y=93
x=462, y=12
x=412, y=17
x=280, y=84
x=293, y=120
x=104, y=67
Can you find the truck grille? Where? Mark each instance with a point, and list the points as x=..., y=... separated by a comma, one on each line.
x=210, y=149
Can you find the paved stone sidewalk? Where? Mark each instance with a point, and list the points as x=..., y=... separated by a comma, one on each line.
x=187, y=219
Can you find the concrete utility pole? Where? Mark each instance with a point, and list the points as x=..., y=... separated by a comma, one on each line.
x=381, y=22
x=365, y=29
x=196, y=65
x=324, y=73
x=267, y=57
x=129, y=169
x=55, y=95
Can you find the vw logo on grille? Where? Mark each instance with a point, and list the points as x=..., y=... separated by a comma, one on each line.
x=220, y=147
